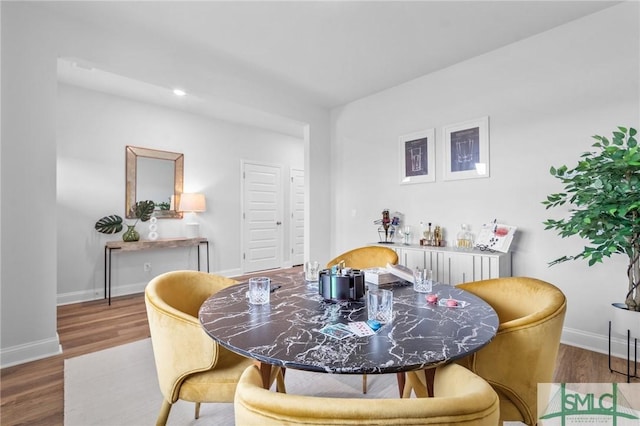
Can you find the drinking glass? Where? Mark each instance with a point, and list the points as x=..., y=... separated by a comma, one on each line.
x=423, y=280
x=380, y=305
x=259, y=290
x=311, y=271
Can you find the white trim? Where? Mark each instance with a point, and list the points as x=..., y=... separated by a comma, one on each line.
x=32, y=351
x=87, y=295
x=595, y=342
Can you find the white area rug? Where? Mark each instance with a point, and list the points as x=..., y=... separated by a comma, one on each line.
x=119, y=387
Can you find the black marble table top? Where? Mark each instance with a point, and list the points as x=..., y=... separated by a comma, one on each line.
x=286, y=331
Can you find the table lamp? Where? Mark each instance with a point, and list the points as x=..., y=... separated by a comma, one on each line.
x=192, y=203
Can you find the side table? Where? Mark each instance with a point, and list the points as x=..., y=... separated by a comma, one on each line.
x=162, y=243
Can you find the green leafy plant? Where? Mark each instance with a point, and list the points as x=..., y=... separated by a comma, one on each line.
x=603, y=191
x=112, y=224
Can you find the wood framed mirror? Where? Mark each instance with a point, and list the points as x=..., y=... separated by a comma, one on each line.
x=157, y=176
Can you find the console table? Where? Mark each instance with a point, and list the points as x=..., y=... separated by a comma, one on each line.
x=163, y=243
x=453, y=266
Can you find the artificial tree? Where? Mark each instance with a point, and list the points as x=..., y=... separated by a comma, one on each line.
x=603, y=191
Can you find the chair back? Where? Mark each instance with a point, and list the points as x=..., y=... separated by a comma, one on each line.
x=366, y=257
x=460, y=397
x=523, y=353
x=180, y=345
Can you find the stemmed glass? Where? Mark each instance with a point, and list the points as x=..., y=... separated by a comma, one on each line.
x=406, y=234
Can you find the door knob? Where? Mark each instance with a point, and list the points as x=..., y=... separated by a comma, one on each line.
x=278, y=223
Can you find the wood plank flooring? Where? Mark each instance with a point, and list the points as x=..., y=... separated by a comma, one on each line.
x=33, y=393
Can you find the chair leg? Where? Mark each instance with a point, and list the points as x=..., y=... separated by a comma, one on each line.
x=364, y=383
x=164, y=413
x=197, y=410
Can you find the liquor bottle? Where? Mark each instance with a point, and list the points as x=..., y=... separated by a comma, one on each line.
x=465, y=239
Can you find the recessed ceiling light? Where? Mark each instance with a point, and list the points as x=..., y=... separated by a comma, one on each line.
x=179, y=92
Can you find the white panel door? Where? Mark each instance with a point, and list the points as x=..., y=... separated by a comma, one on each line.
x=297, y=217
x=262, y=217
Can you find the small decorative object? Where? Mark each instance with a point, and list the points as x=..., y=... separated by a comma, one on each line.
x=131, y=234
x=387, y=229
x=465, y=239
x=112, y=224
x=466, y=147
x=495, y=237
x=341, y=284
x=432, y=299
x=601, y=193
x=153, y=228
x=437, y=236
x=431, y=238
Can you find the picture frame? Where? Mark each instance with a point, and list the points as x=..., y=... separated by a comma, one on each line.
x=466, y=148
x=495, y=237
x=417, y=157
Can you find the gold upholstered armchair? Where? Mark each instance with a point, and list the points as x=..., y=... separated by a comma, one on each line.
x=366, y=257
x=460, y=398
x=189, y=364
x=363, y=258
x=523, y=353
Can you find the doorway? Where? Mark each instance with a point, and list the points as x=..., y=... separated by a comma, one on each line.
x=261, y=216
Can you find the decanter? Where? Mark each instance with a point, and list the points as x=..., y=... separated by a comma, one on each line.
x=464, y=238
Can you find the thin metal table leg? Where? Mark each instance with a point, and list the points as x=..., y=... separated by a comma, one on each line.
x=207, y=243
x=109, y=277
x=105, y=271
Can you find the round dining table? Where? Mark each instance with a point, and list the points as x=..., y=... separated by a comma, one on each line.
x=286, y=332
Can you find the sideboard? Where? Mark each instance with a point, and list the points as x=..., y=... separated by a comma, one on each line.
x=162, y=243
x=451, y=265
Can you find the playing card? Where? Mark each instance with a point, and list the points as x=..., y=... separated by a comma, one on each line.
x=338, y=331
x=360, y=328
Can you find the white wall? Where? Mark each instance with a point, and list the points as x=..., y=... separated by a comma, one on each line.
x=93, y=130
x=546, y=96
x=32, y=40
x=28, y=229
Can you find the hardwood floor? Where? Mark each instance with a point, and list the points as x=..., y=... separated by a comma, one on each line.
x=33, y=393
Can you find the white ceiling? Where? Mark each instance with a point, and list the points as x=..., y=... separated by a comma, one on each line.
x=334, y=52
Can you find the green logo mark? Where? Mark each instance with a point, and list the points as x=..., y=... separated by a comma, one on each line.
x=565, y=404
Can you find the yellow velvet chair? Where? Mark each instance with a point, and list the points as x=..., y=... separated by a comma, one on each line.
x=190, y=365
x=523, y=353
x=366, y=257
x=363, y=258
x=461, y=398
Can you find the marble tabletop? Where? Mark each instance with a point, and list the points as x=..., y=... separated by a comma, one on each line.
x=286, y=331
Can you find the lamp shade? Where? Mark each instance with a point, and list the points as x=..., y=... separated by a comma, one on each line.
x=192, y=203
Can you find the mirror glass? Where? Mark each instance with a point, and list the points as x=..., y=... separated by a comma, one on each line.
x=154, y=175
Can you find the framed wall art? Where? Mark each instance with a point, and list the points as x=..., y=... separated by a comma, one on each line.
x=417, y=157
x=466, y=148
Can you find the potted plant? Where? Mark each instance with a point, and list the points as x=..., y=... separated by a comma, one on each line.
x=112, y=224
x=603, y=191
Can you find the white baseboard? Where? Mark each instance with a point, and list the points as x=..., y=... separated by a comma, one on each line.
x=88, y=295
x=229, y=272
x=31, y=351
x=596, y=342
